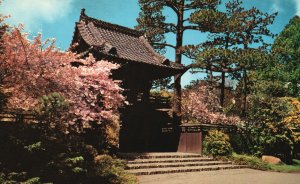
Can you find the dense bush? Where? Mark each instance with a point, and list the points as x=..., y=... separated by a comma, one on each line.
x=240, y=143
x=111, y=171
x=39, y=154
x=216, y=143
x=273, y=127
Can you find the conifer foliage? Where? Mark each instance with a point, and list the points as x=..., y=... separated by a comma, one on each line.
x=236, y=44
x=152, y=21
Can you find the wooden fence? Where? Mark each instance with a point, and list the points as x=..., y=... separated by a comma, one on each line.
x=13, y=115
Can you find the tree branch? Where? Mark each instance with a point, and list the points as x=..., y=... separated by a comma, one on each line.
x=24, y=49
x=217, y=69
x=164, y=44
x=169, y=4
x=184, y=20
x=171, y=27
x=198, y=28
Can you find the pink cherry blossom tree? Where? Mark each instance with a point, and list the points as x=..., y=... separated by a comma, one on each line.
x=34, y=68
x=201, y=104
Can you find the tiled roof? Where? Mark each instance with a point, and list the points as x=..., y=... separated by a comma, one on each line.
x=120, y=42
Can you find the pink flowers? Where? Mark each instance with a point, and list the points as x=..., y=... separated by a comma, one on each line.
x=36, y=68
x=201, y=105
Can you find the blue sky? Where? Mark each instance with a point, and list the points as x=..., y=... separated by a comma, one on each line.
x=56, y=18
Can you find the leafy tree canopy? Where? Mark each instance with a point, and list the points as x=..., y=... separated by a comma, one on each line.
x=281, y=75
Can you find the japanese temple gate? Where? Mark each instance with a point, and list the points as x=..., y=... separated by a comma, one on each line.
x=144, y=125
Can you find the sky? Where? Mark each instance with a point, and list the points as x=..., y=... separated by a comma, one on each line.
x=56, y=18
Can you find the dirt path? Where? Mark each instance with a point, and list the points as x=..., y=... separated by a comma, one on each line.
x=238, y=176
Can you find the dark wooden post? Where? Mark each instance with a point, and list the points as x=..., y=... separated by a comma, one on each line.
x=146, y=92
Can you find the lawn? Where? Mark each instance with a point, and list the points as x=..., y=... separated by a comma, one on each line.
x=257, y=163
x=287, y=168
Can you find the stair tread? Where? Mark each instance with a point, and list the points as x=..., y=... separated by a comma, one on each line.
x=183, y=169
x=159, y=155
x=170, y=160
x=183, y=163
x=174, y=164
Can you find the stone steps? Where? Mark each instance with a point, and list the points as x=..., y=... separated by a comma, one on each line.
x=183, y=169
x=169, y=160
x=161, y=163
x=156, y=155
x=174, y=164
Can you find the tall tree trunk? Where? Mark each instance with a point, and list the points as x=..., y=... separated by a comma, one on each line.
x=222, y=94
x=209, y=73
x=178, y=58
x=177, y=95
x=177, y=90
x=245, y=92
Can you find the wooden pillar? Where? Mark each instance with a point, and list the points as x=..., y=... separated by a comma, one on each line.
x=146, y=92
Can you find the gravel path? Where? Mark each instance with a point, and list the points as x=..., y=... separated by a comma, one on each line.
x=235, y=176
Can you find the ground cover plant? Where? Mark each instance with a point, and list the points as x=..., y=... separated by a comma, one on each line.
x=257, y=163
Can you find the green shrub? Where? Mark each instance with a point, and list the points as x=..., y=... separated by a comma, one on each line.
x=35, y=180
x=109, y=170
x=52, y=110
x=273, y=125
x=251, y=161
x=36, y=153
x=240, y=143
x=216, y=143
x=42, y=152
x=18, y=177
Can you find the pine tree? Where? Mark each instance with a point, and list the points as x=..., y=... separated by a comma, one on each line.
x=236, y=45
x=153, y=22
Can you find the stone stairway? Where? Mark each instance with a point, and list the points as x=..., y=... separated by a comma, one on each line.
x=161, y=163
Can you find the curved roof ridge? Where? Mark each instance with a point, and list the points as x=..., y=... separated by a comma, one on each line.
x=111, y=26
x=85, y=33
x=118, y=43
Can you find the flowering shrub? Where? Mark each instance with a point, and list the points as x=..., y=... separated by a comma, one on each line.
x=201, y=104
x=36, y=68
x=38, y=77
